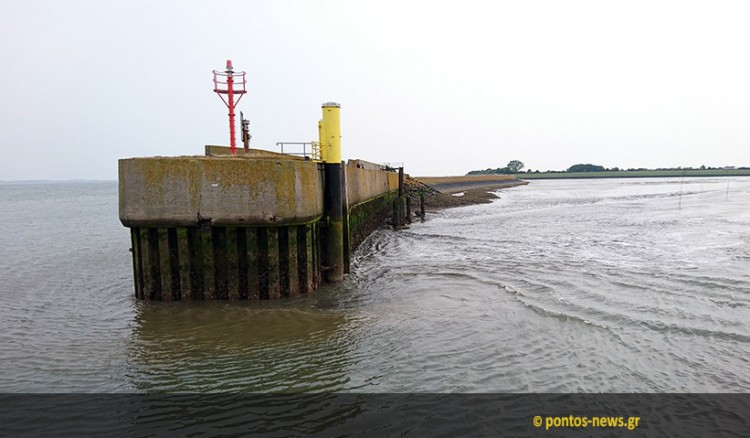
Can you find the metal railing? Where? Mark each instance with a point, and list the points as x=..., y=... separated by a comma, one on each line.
x=313, y=153
x=393, y=165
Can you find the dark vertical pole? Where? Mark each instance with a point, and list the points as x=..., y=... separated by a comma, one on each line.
x=396, y=215
x=333, y=205
x=401, y=181
x=306, y=243
x=233, y=265
x=273, y=273
x=293, y=267
x=165, y=265
x=147, y=264
x=135, y=243
x=317, y=241
x=183, y=251
x=345, y=220
x=207, y=252
x=408, y=210
x=253, y=262
x=421, y=205
x=398, y=211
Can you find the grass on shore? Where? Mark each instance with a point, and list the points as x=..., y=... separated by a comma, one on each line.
x=634, y=174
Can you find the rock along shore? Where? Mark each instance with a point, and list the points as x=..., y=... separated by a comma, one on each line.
x=438, y=191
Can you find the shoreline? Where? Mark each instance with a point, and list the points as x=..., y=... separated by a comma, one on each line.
x=636, y=174
x=473, y=194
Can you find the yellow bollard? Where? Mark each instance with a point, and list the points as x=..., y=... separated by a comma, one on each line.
x=330, y=143
x=329, y=130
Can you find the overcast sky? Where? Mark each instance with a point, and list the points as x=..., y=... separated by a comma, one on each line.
x=443, y=86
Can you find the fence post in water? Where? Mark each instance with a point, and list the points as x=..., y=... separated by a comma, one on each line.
x=397, y=213
x=398, y=203
x=421, y=204
x=333, y=200
x=401, y=181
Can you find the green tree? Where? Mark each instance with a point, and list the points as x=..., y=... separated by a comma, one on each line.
x=514, y=166
x=585, y=168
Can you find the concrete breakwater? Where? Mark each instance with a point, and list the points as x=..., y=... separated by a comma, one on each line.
x=456, y=184
x=251, y=226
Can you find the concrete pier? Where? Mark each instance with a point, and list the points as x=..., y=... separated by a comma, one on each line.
x=245, y=227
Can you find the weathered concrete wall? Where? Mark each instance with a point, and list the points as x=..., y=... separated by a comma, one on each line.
x=455, y=184
x=186, y=191
x=366, y=217
x=366, y=183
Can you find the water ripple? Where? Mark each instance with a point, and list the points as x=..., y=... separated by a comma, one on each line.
x=557, y=286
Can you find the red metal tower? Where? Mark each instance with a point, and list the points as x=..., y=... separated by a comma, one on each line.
x=232, y=78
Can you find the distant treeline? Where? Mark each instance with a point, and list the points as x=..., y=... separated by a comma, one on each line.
x=583, y=168
x=513, y=167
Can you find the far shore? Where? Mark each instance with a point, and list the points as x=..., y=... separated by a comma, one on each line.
x=634, y=174
x=480, y=189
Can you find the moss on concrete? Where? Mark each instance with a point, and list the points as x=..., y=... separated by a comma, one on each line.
x=366, y=217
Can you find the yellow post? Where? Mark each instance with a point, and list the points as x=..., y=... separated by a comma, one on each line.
x=331, y=145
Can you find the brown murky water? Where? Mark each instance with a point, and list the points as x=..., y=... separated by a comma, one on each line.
x=594, y=286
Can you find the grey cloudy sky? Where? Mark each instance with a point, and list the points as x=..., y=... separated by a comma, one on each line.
x=443, y=86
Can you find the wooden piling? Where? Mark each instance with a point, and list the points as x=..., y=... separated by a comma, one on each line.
x=135, y=247
x=284, y=278
x=164, y=271
x=183, y=255
x=305, y=260
x=149, y=255
x=253, y=278
x=194, y=243
x=401, y=181
x=292, y=267
x=315, y=235
x=233, y=265
x=272, y=264
x=398, y=212
x=207, y=253
x=220, y=262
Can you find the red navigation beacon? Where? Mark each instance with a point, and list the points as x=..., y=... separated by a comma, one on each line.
x=228, y=87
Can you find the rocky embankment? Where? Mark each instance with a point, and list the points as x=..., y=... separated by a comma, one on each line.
x=438, y=191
